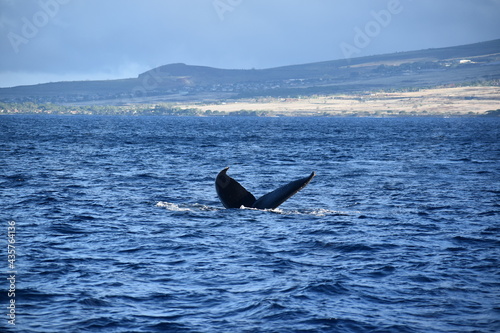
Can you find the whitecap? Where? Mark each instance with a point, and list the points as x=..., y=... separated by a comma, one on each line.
x=184, y=207
x=320, y=212
x=172, y=206
x=312, y=212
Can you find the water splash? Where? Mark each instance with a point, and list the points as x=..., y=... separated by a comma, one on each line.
x=318, y=212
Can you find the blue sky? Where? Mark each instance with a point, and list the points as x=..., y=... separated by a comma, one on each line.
x=59, y=40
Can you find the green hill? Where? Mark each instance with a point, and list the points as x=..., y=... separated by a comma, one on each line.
x=466, y=64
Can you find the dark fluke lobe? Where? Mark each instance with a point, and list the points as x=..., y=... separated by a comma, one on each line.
x=233, y=195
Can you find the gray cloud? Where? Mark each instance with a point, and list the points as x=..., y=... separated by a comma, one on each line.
x=50, y=40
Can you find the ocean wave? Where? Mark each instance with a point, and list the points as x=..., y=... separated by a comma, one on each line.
x=173, y=207
x=123, y=237
x=320, y=212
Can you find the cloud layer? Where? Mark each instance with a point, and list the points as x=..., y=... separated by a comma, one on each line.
x=52, y=40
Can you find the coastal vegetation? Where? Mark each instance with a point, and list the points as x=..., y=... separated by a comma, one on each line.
x=475, y=100
x=132, y=110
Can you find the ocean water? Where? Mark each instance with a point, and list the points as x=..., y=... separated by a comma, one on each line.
x=118, y=227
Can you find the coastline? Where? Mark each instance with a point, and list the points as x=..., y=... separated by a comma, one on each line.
x=438, y=101
x=457, y=101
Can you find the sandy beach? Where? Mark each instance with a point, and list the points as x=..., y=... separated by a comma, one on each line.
x=455, y=101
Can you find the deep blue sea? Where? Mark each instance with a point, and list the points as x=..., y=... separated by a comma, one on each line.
x=118, y=227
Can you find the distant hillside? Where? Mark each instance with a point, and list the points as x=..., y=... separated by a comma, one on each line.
x=465, y=64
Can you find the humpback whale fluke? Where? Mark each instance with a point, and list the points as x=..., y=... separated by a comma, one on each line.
x=233, y=195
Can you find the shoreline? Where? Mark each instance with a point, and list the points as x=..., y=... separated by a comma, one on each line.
x=457, y=101
x=430, y=102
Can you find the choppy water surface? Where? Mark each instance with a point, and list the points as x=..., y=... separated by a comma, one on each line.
x=118, y=227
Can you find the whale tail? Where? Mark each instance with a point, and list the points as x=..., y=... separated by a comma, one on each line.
x=233, y=195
